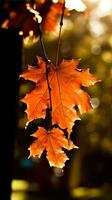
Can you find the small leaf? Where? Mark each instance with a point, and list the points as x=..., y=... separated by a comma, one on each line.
x=52, y=141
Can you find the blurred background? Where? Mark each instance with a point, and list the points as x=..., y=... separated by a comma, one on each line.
x=86, y=35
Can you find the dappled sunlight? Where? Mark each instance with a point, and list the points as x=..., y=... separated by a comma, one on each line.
x=86, y=193
x=77, y=5
x=97, y=28
x=19, y=196
x=21, y=189
x=24, y=185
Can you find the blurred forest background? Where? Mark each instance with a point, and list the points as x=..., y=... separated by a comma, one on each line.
x=86, y=35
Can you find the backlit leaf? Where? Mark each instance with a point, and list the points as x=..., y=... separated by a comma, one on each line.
x=66, y=82
x=52, y=141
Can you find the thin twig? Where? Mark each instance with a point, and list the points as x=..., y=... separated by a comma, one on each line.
x=59, y=37
x=47, y=72
x=42, y=43
x=46, y=60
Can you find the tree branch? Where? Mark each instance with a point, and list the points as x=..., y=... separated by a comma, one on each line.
x=60, y=30
x=44, y=55
x=46, y=62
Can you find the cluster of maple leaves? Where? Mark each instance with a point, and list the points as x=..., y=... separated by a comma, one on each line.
x=59, y=90
x=66, y=81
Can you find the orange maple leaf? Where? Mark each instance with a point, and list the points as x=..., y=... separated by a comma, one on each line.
x=66, y=82
x=52, y=141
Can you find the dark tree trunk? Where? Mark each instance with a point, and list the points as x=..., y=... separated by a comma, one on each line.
x=10, y=66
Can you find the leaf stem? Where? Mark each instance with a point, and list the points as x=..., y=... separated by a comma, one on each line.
x=47, y=71
x=42, y=43
x=59, y=37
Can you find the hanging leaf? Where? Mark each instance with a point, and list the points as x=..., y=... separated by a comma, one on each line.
x=66, y=82
x=52, y=141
